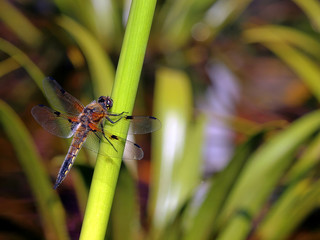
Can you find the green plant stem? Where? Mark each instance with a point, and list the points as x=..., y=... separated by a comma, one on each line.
x=124, y=92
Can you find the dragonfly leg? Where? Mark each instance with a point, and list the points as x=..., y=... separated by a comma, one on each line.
x=116, y=114
x=113, y=122
x=107, y=138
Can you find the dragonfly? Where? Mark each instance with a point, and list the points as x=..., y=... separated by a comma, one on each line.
x=86, y=125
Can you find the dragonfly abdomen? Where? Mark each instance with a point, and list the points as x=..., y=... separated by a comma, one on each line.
x=76, y=144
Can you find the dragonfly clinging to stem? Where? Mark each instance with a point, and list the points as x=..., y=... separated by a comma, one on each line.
x=86, y=124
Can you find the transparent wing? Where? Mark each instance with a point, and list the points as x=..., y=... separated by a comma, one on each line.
x=53, y=121
x=60, y=99
x=132, y=151
x=138, y=124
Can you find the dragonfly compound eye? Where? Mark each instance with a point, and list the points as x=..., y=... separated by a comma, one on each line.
x=106, y=102
x=101, y=99
x=109, y=103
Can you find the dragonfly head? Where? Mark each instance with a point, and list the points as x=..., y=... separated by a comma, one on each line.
x=105, y=102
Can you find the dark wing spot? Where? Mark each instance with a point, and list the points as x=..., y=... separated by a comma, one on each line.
x=54, y=82
x=137, y=145
x=152, y=118
x=57, y=114
x=114, y=137
x=129, y=117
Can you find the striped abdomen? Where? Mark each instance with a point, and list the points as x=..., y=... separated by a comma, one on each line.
x=76, y=144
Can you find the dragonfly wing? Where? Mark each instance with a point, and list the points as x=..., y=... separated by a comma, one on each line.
x=132, y=150
x=142, y=125
x=139, y=124
x=53, y=121
x=60, y=99
x=92, y=142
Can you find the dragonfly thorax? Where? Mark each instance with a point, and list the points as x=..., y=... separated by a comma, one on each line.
x=84, y=119
x=95, y=112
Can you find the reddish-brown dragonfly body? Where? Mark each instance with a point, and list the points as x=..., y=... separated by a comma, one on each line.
x=85, y=124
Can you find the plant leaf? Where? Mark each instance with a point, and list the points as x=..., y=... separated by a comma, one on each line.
x=261, y=175
x=48, y=203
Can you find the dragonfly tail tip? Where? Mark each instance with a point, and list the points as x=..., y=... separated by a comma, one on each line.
x=56, y=185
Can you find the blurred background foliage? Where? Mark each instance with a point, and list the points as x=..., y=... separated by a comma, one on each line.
x=236, y=85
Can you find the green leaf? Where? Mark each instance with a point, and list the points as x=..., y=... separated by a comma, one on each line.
x=306, y=163
x=280, y=34
x=100, y=66
x=23, y=60
x=224, y=12
x=48, y=203
x=80, y=10
x=312, y=9
x=8, y=65
x=260, y=177
x=295, y=204
x=19, y=24
x=301, y=64
x=176, y=149
x=178, y=18
x=200, y=222
x=300, y=190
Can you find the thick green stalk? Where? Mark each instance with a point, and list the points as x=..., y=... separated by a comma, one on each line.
x=124, y=92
